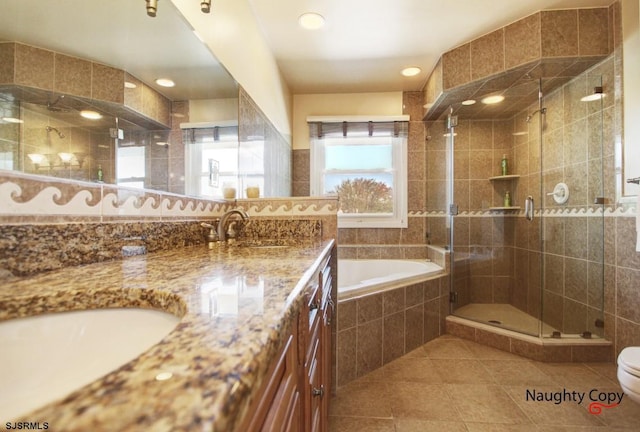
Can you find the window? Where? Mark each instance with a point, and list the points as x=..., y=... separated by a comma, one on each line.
x=131, y=166
x=365, y=164
x=211, y=158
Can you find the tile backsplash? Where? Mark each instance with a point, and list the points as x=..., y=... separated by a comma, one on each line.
x=48, y=223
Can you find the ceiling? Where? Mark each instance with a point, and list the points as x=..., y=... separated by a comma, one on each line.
x=119, y=33
x=365, y=43
x=362, y=47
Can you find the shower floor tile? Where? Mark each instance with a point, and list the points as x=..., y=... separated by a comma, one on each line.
x=483, y=389
x=505, y=316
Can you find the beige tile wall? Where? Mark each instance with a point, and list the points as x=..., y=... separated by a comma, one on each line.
x=377, y=329
x=391, y=243
x=48, y=70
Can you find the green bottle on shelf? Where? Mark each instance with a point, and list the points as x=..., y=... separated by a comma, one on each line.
x=504, y=165
x=507, y=199
x=100, y=173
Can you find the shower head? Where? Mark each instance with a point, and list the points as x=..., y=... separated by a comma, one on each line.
x=60, y=134
x=541, y=111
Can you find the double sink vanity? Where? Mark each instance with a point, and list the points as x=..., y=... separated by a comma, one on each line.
x=232, y=337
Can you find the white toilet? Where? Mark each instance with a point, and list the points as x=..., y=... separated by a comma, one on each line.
x=629, y=372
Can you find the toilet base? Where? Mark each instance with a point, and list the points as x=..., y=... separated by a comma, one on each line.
x=627, y=381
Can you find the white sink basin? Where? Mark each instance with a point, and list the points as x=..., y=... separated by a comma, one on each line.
x=46, y=357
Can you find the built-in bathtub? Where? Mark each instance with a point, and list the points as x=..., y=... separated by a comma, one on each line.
x=357, y=278
x=386, y=308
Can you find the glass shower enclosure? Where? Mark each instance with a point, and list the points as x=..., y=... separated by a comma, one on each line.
x=525, y=208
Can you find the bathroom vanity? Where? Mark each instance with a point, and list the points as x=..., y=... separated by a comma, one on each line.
x=252, y=350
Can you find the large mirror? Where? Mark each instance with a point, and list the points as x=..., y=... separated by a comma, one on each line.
x=63, y=58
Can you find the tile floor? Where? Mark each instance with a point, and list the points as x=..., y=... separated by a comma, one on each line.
x=451, y=384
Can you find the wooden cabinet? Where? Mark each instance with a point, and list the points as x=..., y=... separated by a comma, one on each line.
x=295, y=395
x=317, y=365
x=278, y=406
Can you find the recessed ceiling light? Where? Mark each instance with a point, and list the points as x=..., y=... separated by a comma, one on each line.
x=592, y=97
x=91, y=115
x=490, y=100
x=165, y=82
x=411, y=71
x=129, y=85
x=468, y=102
x=12, y=120
x=311, y=21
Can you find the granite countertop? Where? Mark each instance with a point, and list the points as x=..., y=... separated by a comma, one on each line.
x=217, y=355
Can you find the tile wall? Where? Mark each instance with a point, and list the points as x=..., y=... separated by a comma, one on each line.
x=274, y=155
x=563, y=42
x=376, y=329
x=391, y=243
x=41, y=69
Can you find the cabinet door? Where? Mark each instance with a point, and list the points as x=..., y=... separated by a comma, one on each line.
x=315, y=392
x=277, y=406
x=326, y=361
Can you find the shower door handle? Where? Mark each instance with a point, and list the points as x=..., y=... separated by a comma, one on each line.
x=528, y=208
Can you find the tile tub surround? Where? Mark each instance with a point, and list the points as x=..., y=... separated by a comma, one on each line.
x=375, y=329
x=217, y=360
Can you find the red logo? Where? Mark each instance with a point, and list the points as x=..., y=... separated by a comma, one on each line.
x=596, y=407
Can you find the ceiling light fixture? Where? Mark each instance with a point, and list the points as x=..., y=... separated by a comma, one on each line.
x=165, y=82
x=65, y=158
x=411, y=71
x=311, y=21
x=37, y=158
x=490, y=100
x=91, y=115
x=12, y=120
x=468, y=102
x=152, y=7
x=596, y=95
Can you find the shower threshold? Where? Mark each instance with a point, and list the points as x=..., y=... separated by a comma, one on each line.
x=475, y=326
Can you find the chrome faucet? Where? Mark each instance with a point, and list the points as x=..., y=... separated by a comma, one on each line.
x=222, y=225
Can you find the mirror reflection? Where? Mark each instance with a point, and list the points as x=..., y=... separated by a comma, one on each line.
x=78, y=97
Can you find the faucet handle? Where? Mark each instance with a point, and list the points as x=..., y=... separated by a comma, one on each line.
x=212, y=236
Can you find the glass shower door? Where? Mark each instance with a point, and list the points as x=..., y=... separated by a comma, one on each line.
x=572, y=213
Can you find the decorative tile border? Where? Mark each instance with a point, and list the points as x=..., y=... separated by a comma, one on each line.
x=624, y=210
x=48, y=223
x=35, y=199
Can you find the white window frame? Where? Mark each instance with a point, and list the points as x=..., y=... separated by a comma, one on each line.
x=398, y=219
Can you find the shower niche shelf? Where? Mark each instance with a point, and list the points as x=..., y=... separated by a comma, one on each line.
x=505, y=177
